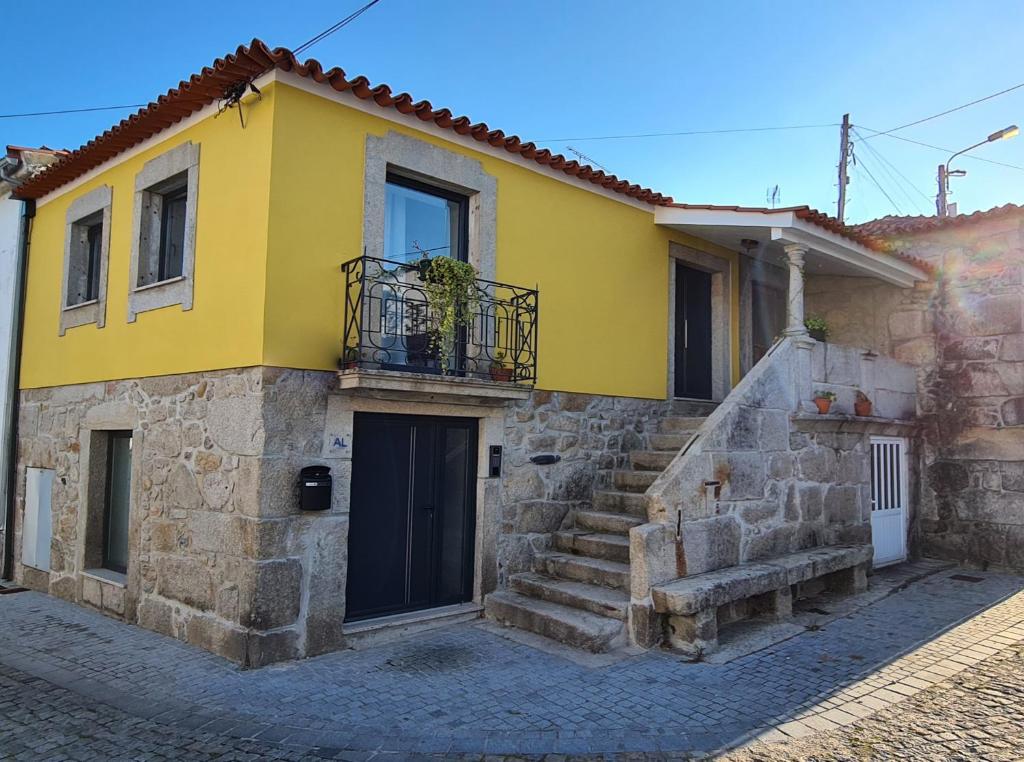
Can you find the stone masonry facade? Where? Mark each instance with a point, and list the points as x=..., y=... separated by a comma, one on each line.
x=219, y=554
x=965, y=334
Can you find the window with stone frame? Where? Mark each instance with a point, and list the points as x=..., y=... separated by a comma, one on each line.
x=86, y=251
x=164, y=231
x=84, y=261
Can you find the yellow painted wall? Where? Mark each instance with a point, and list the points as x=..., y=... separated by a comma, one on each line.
x=224, y=328
x=601, y=266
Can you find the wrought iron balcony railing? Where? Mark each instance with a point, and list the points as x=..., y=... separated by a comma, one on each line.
x=390, y=324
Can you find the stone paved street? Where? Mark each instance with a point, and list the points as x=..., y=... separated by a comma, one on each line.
x=75, y=684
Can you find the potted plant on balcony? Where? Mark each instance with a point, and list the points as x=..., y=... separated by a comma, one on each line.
x=862, y=405
x=452, y=296
x=499, y=370
x=824, y=400
x=350, y=358
x=817, y=328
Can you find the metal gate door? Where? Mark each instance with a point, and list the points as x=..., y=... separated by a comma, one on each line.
x=889, y=499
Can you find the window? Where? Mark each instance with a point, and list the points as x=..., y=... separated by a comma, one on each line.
x=164, y=231
x=116, y=501
x=163, y=239
x=86, y=247
x=84, y=267
x=421, y=220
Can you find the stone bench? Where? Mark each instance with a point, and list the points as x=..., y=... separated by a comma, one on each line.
x=694, y=605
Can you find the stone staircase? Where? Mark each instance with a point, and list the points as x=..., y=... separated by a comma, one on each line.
x=578, y=592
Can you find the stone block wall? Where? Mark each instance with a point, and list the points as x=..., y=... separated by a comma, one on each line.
x=591, y=435
x=219, y=553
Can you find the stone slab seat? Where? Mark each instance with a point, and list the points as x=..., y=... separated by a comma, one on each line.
x=692, y=603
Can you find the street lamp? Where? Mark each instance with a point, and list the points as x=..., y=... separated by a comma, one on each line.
x=944, y=172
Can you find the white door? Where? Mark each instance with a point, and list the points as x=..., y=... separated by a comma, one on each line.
x=889, y=499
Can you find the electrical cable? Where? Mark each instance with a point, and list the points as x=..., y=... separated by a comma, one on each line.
x=951, y=110
x=898, y=178
x=691, y=132
x=72, y=111
x=332, y=29
x=879, y=186
x=944, y=150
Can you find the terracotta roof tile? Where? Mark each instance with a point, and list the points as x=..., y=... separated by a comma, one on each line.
x=892, y=226
x=250, y=62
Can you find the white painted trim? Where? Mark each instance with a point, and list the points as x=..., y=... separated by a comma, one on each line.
x=350, y=100
x=786, y=228
x=165, y=134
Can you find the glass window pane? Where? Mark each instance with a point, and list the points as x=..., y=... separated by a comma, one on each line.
x=418, y=223
x=95, y=239
x=173, y=236
x=115, y=548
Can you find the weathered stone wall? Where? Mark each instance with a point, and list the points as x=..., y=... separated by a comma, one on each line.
x=591, y=435
x=765, y=478
x=972, y=507
x=219, y=553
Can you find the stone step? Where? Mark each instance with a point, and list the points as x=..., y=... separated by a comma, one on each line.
x=568, y=625
x=634, y=481
x=612, y=523
x=577, y=595
x=666, y=442
x=679, y=424
x=594, y=571
x=582, y=542
x=692, y=408
x=650, y=460
x=617, y=501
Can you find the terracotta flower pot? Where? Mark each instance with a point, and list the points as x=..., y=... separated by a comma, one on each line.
x=823, y=404
x=501, y=373
x=862, y=408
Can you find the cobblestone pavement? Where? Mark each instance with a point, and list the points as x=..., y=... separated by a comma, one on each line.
x=976, y=715
x=466, y=689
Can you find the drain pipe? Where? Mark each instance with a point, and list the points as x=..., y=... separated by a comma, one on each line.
x=8, y=478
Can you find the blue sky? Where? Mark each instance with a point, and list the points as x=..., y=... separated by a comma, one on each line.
x=553, y=70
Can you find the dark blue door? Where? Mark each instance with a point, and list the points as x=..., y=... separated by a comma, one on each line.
x=412, y=514
x=693, y=333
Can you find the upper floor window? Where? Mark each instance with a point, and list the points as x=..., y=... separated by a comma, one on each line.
x=84, y=265
x=423, y=220
x=164, y=231
x=86, y=250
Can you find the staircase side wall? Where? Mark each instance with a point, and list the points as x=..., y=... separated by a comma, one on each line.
x=765, y=477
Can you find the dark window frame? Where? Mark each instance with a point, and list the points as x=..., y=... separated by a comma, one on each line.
x=112, y=437
x=174, y=198
x=94, y=251
x=462, y=199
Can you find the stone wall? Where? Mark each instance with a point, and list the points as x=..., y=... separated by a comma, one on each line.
x=965, y=334
x=591, y=435
x=764, y=476
x=220, y=555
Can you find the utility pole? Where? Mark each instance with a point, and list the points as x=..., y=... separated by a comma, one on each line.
x=844, y=155
x=940, y=198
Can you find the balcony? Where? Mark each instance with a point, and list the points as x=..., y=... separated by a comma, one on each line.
x=391, y=328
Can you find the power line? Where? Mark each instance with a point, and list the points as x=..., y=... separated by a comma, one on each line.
x=943, y=150
x=72, y=111
x=951, y=110
x=690, y=132
x=893, y=171
x=879, y=186
x=332, y=29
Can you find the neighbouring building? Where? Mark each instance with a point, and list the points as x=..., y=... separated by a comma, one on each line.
x=16, y=166
x=266, y=408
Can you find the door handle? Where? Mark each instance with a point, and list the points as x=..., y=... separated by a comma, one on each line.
x=686, y=334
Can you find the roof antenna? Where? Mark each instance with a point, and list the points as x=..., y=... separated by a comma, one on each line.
x=772, y=196
x=584, y=158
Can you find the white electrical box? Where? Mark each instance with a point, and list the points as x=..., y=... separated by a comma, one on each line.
x=35, y=538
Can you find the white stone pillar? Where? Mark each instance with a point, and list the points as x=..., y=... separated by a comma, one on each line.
x=795, y=302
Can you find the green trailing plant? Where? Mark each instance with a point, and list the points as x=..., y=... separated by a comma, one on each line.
x=817, y=327
x=825, y=395
x=451, y=291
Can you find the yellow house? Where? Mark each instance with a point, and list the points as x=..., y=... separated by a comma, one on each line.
x=304, y=360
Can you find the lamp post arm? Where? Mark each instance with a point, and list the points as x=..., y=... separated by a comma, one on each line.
x=961, y=153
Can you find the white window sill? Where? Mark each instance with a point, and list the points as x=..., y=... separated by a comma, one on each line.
x=73, y=307
x=160, y=283
x=107, y=576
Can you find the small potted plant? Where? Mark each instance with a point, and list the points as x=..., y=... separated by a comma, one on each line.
x=824, y=400
x=499, y=370
x=350, y=359
x=862, y=405
x=817, y=328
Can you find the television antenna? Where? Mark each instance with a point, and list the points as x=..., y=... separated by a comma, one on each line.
x=584, y=158
x=772, y=196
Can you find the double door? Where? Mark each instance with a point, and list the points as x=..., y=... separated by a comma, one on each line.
x=412, y=514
